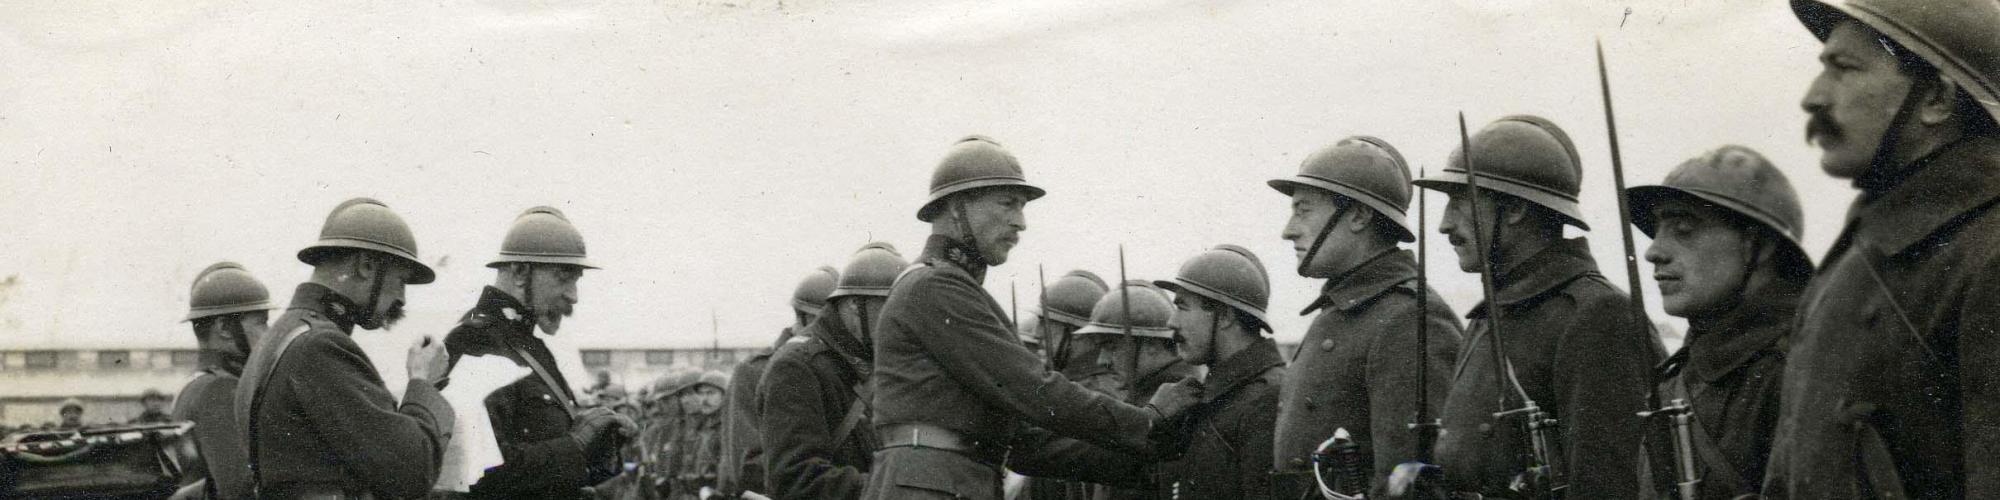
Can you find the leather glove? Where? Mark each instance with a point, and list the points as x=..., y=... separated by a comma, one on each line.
x=1176, y=398
x=594, y=424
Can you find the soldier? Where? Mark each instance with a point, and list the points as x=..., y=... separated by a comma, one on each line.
x=1156, y=362
x=1725, y=229
x=817, y=438
x=71, y=412
x=318, y=423
x=1219, y=301
x=549, y=447
x=1892, y=384
x=742, y=436
x=228, y=309
x=1147, y=318
x=1570, y=347
x=956, y=393
x=1354, y=368
x=153, y=404
x=693, y=443
x=1065, y=307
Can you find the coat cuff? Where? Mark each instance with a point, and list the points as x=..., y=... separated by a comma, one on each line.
x=422, y=400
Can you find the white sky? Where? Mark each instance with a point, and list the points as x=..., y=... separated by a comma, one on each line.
x=713, y=154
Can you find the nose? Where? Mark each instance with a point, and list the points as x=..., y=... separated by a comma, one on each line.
x=1291, y=231
x=1815, y=100
x=1657, y=255
x=1105, y=357
x=1449, y=223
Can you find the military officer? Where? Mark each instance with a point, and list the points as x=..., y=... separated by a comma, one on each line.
x=955, y=392
x=318, y=423
x=1569, y=345
x=227, y=308
x=1725, y=251
x=1219, y=301
x=817, y=439
x=549, y=446
x=742, y=433
x=1892, y=382
x=1354, y=367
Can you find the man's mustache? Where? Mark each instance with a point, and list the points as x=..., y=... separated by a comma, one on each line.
x=1821, y=128
x=394, y=315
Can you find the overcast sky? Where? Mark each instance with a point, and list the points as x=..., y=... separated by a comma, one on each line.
x=712, y=154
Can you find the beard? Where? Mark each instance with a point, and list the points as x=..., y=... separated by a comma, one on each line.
x=393, y=315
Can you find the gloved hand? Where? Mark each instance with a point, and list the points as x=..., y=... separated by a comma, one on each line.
x=1416, y=480
x=594, y=424
x=1176, y=398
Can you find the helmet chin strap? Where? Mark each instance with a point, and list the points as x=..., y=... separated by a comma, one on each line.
x=1305, y=263
x=375, y=292
x=1882, y=171
x=528, y=295
x=965, y=226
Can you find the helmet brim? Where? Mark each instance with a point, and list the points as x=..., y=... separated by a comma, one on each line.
x=931, y=208
x=1381, y=207
x=1642, y=199
x=1451, y=181
x=203, y=312
x=1820, y=18
x=861, y=291
x=570, y=260
x=1095, y=328
x=1181, y=285
x=420, y=274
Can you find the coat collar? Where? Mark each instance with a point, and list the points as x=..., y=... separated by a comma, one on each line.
x=1543, y=273
x=1374, y=277
x=317, y=298
x=1753, y=328
x=1960, y=178
x=941, y=248
x=829, y=330
x=1241, y=368
x=498, y=305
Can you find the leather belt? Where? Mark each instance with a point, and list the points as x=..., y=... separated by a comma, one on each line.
x=923, y=436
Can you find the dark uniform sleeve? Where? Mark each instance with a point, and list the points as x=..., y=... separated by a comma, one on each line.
x=1039, y=453
x=392, y=450
x=798, y=447
x=1260, y=421
x=1603, y=371
x=742, y=454
x=1978, y=349
x=1392, y=378
x=975, y=348
x=535, y=466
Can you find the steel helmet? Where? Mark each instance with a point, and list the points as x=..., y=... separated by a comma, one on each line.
x=667, y=384
x=713, y=378
x=974, y=162
x=1360, y=168
x=1228, y=274
x=811, y=294
x=1525, y=156
x=1956, y=36
x=1152, y=312
x=226, y=288
x=1735, y=178
x=1070, y=300
x=870, y=271
x=542, y=235
x=366, y=224
x=1030, y=335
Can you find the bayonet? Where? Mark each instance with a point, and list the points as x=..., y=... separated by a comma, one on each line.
x=1131, y=342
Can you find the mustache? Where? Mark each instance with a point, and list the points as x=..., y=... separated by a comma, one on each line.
x=394, y=315
x=1820, y=128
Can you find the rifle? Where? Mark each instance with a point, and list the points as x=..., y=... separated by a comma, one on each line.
x=1131, y=342
x=1056, y=346
x=1426, y=427
x=1544, y=477
x=1679, y=411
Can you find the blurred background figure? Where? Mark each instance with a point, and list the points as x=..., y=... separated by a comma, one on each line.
x=155, y=404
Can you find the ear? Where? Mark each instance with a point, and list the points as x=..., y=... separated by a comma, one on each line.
x=365, y=266
x=1512, y=212
x=1358, y=216
x=1938, y=106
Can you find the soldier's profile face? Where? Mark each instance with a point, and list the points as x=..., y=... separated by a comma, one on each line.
x=1853, y=99
x=1700, y=257
x=1457, y=227
x=1310, y=210
x=555, y=294
x=997, y=220
x=1196, y=328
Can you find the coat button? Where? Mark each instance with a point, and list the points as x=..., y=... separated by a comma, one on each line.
x=1326, y=345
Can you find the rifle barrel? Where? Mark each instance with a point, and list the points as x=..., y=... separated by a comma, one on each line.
x=1624, y=202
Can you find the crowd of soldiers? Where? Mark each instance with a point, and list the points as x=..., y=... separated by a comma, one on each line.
x=1871, y=373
